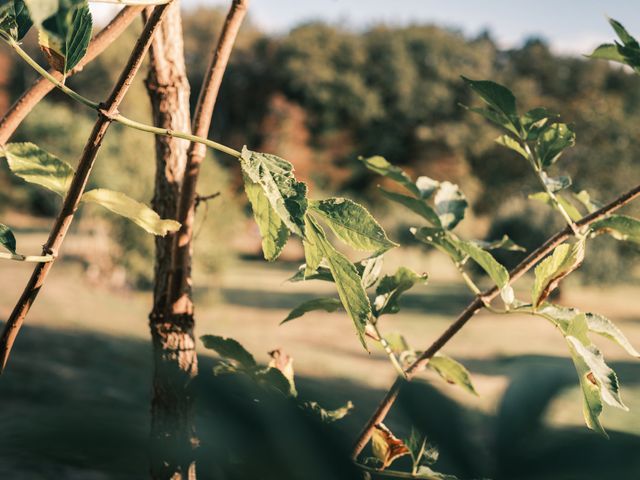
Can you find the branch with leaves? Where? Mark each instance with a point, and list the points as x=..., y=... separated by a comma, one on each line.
x=36, y=166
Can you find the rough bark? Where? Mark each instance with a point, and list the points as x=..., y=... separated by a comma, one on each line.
x=173, y=437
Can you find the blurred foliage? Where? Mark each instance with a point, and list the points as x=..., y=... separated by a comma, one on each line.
x=392, y=91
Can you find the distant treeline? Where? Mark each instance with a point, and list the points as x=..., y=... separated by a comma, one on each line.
x=321, y=95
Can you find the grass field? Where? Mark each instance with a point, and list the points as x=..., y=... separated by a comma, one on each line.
x=73, y=403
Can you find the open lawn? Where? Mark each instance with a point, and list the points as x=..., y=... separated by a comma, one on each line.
x=73, y=402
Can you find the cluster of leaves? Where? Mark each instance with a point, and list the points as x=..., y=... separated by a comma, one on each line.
x=443, y=206
x=64, y=28
x=625, y=51
x=387, y=448
x=277, y=376
x=39, y=167
x=280, y=207
x=541, y=141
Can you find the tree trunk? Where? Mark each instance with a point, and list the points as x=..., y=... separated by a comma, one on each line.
x=173, y=437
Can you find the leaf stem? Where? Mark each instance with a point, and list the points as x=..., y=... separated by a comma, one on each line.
x=388, y=350
x=118, y=117
x=26, y=258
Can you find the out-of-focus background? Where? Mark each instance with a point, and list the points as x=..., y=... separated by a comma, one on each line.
x=321, y=83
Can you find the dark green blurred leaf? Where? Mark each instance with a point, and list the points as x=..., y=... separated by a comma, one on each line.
x=382, y=167
x=620, y=227
x=230, y=349
x=552, y=142
x=7, y=239
x=325, y=304
x=391, y=287
x=452, y=372
x=416, y=205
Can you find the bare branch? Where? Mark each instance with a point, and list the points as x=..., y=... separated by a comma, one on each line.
x=39, y=89
x=77, y=187
x=476, y=305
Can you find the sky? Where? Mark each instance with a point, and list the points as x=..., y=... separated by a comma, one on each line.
x=570, y=26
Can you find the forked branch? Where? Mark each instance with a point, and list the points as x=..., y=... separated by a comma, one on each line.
x=39, y=89
x=70, y=204
x=476, y=305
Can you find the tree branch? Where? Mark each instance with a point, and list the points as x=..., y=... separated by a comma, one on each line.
x=72, y=199
x=179, y=286
x=39, y=89
x=476, y=305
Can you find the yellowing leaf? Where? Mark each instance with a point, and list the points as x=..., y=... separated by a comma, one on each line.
x=386, y=446
x=565, y=259
x=452, y=372
x=34, y=165
x=135, y=211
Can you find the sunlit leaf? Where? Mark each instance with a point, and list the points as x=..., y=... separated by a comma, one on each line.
x=372, y=267
x=585, y=199
x=324, y=304
x=605, y=327
x=35, y=165
x=513, y=144
x=327, y=416
x=273, y=230
x=284, y=362
x=386, y=446
x=505, y=243
x=571, y=210
x=485, y=260
x=353, y=224
x=138, y=213
x=607, y=51
x=452, y=372
x=230, y=349
x=620, y=227
x=348, y=283
x=450, y=205
x=286, y=195
x=565, y=259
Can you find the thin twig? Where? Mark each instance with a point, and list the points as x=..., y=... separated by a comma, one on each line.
x=78, y=184
x=205, y=198
x=476, y=305
x=178, y=294
x=39, y=89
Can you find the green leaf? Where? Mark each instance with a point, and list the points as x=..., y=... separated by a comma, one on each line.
x=544, y=197
x=608, y=51
x=229, y=349
x=326, y=304
x=34, y=165
x=625, y=37
x=353, y=224
x=495, y=117
x=585, y=199
x=450, y=205
x=485, y=260
x=348, y=282
x=65, y=36
x=452, y=372
x=605, y=327
x=286, y=195
x=327, y=416
x=565, y=259
x=41, y=10
x=137, y=212
x=391, y=287
x=7, y=239
x=321, y=273
x=620, y=227
x=416, y=205
x=381, y=166
x=273, y=230
x=313, y=254
x=509, y=142
x=533, y=122
x=371, y=269
x=498, y=97
x=552, y=142
x=440, y=239
x=14, y=19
